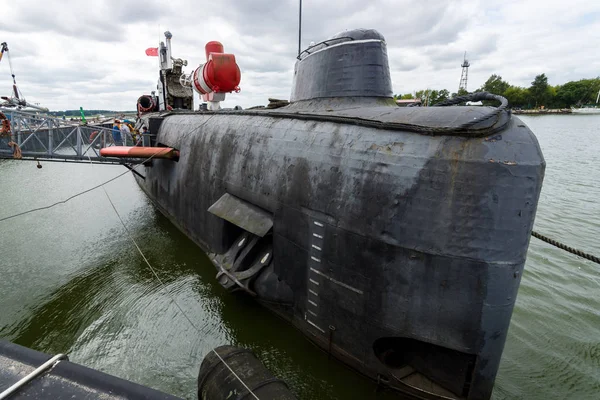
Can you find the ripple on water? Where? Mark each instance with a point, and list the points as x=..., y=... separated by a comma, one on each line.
x=552, y=346
x=82, y=287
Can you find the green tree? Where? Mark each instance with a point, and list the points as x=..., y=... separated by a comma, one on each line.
x=438, y=96
x=461, y=92
x=517, y=96
x=551, y=100
x=539, y=89
x=578, y=93
x=421, y=94
x=407, y=96
x=495, y=85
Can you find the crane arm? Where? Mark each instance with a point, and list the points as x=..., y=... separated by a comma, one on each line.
x=3, y=49
x=16, y=101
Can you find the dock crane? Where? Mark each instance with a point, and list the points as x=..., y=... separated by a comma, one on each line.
x=17, y=100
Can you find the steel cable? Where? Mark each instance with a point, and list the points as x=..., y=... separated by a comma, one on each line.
x=564, y=247
x=164, y=287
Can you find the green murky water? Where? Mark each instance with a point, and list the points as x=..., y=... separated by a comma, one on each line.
x=71, y=281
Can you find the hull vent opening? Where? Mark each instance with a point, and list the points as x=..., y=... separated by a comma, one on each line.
x=452, y=370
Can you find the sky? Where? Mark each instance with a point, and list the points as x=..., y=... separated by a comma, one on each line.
x=66, y=54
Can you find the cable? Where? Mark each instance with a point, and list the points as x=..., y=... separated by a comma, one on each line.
x=564, y=247
x=78, y=194
x=477, y=97
x=164, y=287
x=63, y=201
x=17, y=155
x=169, y=294
x=466, y=129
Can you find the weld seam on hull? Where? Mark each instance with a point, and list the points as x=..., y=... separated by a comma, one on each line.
x=337, y=282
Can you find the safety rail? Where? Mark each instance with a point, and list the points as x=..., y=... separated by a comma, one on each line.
x=41, y=137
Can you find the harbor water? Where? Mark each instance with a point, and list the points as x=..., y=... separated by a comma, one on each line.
x=71, y=281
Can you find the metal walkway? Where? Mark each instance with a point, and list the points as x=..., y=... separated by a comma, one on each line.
x=47, y=138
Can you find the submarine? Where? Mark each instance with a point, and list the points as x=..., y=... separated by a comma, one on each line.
x=393, y=237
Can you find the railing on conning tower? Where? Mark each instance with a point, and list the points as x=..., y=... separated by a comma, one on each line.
x=41, y=137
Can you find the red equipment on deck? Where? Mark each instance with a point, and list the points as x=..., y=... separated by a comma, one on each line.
x=220, y=73
x=140, y=152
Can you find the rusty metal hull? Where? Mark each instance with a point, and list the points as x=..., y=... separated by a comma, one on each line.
x=399, y=252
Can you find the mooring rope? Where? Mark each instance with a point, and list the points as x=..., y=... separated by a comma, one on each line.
x=16, y=150
x=477, y=97
x=564, y=247
x=164, y=287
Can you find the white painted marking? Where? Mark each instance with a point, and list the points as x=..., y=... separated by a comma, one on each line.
x=317, y=236
x=337, y=282
x=313, y=282
x=313, y=303
x=316, y=247
x=262, y=261
x=314, y=314
x=318, y=224
x=313, y=324
x=313, y=292
x=241, y=242
x=351, y=42
x=315, y=259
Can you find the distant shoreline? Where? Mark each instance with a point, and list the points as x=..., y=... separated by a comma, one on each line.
x=543, y=112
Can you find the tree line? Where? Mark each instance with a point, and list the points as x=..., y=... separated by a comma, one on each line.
x=77, y=113
x=539, y=94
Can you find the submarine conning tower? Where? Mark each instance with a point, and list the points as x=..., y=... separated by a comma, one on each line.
x=352, y=63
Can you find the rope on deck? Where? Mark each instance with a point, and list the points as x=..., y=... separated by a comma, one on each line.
x=16, y=150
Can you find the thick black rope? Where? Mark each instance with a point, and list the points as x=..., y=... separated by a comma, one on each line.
x=480, y=96
x=566, y=248
x=466, y=129
x=461, y=130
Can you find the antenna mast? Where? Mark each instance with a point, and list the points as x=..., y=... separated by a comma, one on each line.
x=300, y=29
x=465, y=73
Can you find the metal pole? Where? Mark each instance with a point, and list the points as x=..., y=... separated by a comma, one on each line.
x=50, y=136
x=79, y=141
x=37, y=372
x=300, y=29
x=19, y=134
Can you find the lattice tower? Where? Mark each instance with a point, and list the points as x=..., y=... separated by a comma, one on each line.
x=465, y=73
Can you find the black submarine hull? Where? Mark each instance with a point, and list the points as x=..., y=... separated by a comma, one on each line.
x=399, y=252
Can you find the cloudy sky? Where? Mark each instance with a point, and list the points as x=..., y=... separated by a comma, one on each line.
x=67, y=54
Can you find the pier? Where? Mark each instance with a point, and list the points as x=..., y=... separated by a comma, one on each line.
x=43, y=138
x=543, y=111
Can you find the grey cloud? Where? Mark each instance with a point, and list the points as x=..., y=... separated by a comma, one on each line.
x=92, y=24
x=451, y=56
x=99, y=21
x=52, y=76
x=99, y=56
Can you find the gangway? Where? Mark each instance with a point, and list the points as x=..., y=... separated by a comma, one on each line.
x=46, y=138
